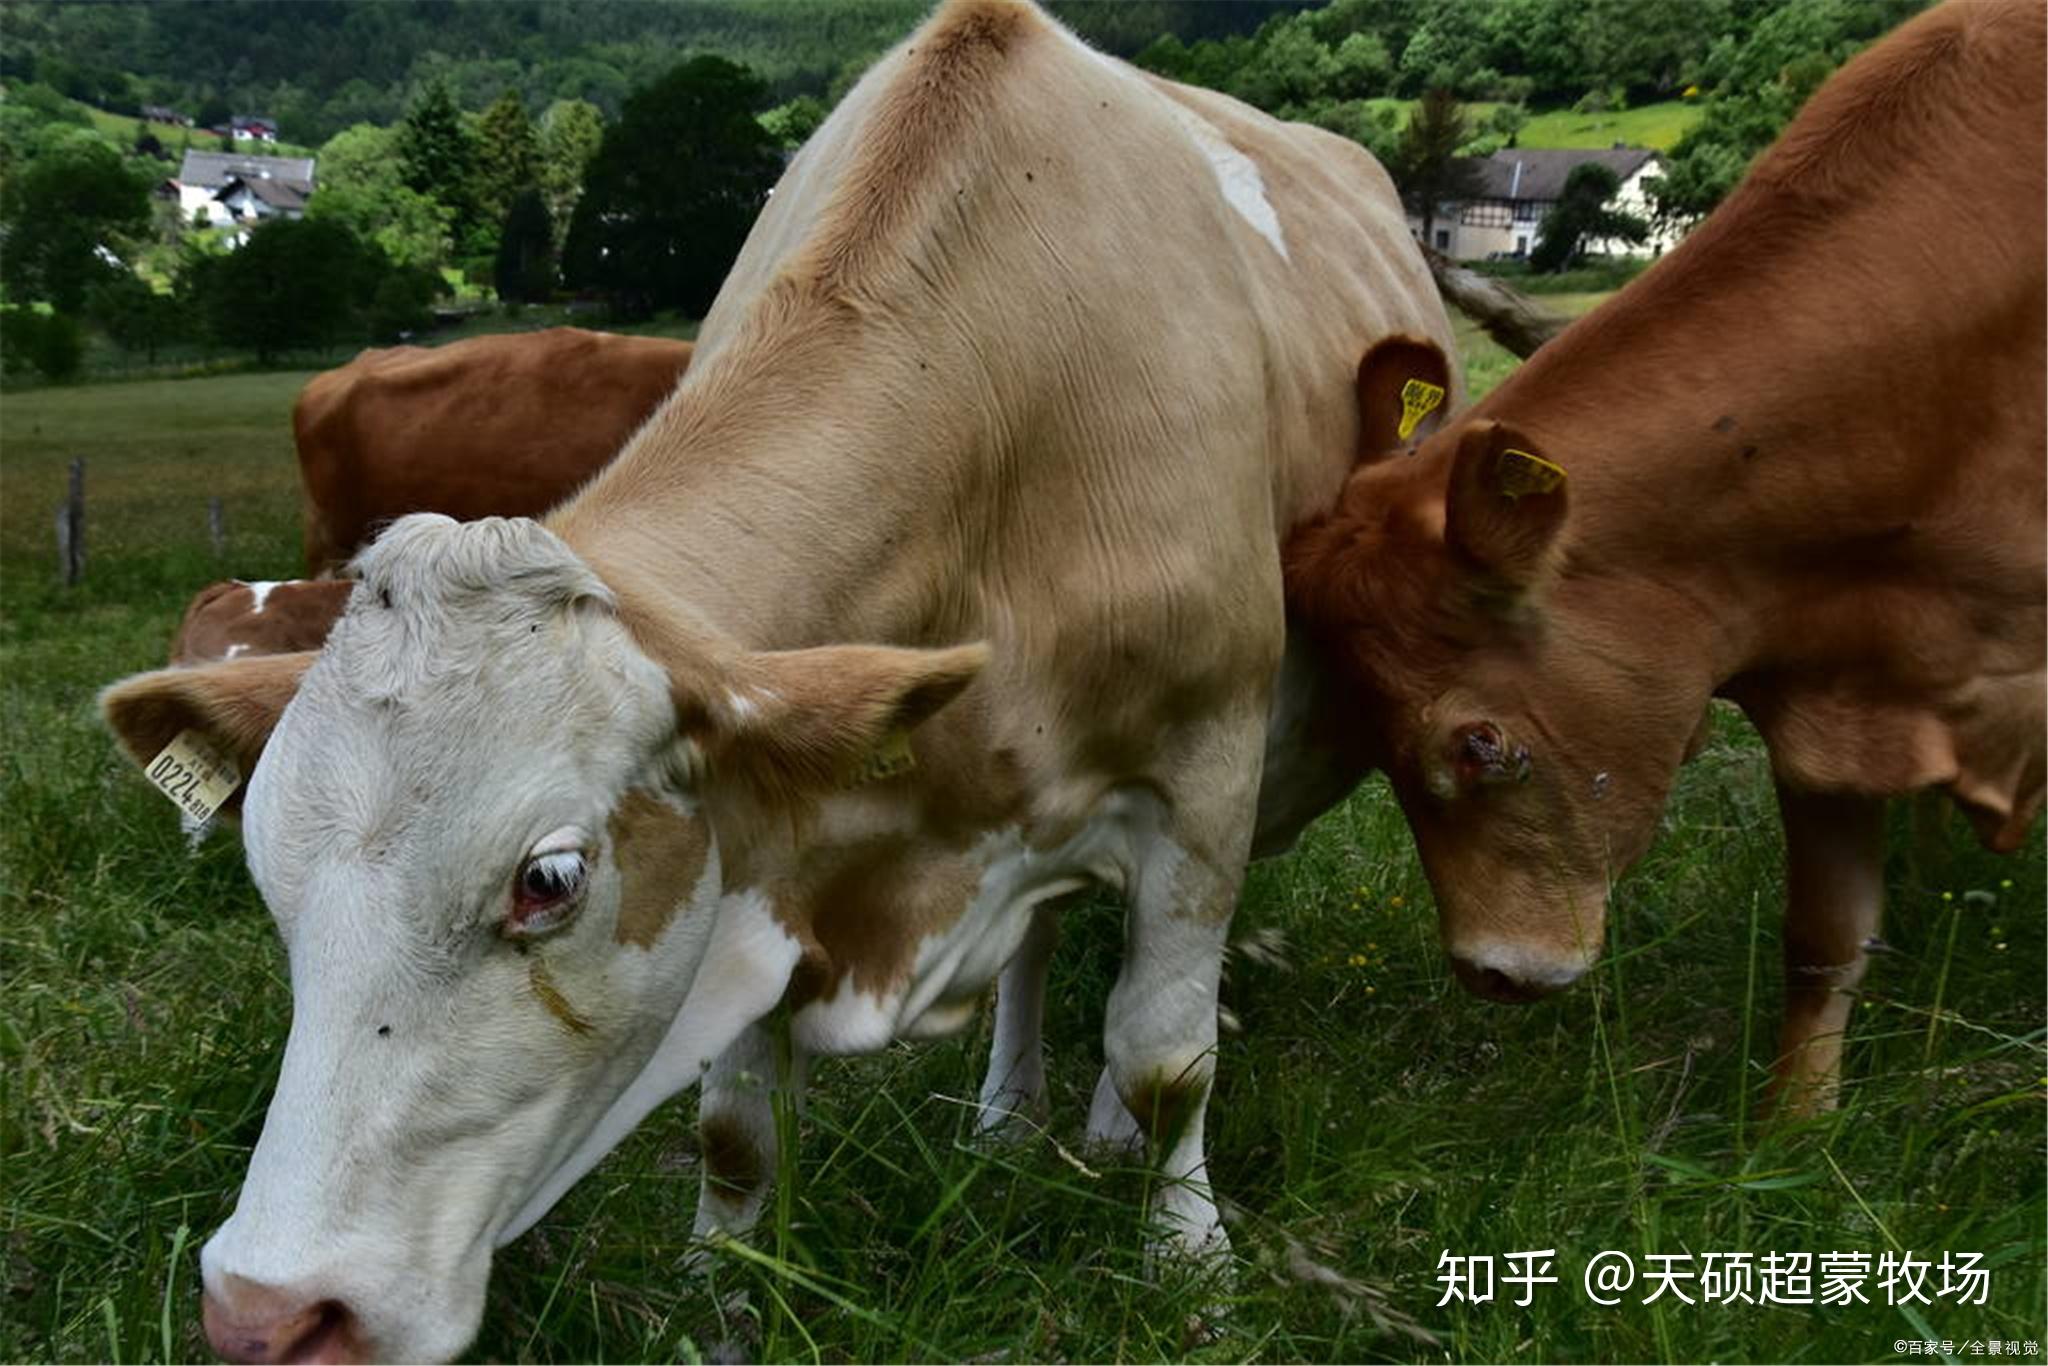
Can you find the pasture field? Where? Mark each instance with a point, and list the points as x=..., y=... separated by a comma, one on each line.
x=1658, y=125
x=1370, y=1116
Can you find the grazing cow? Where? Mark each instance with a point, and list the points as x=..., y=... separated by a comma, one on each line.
x=233, y=618
x=946, y=585
x=493, y=426
x=1799, y=465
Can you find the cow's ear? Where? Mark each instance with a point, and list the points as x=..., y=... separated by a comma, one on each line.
x=1402, y=388
x=1505, y=504
x=233, y=705
x=807, y=721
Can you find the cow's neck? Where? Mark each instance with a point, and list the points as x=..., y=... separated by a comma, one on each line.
x=1731, y=452
x=820, y=515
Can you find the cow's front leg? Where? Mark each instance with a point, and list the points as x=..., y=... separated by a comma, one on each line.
x=1013, y=1093
x=1834, y=900
x=1160, y=1035
x=736, y=1130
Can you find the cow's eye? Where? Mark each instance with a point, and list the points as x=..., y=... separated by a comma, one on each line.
x=547, y=889
x=1482, y=755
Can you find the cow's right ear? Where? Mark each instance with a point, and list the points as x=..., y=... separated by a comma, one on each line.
x=1505, y=505
x=1403, y=385
x=233, y=704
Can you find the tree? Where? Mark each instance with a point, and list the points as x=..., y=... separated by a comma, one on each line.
x=793, y=123
x=65, y=215
x=570, y=133
x=437, y=157
x=526, y=251
x=361, y=186
x=50, y=342
x=135, y=317
x=507, y=156
x=294, y=283
x=673, y=189
x=1582, y=216
x=1426, y=164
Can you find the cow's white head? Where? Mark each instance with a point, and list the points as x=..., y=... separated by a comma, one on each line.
x=482, y=818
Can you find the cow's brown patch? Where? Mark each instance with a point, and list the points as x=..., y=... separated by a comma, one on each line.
x=660, y=853
x=862, y=911
x=1163, y=1104
x=732, y=1162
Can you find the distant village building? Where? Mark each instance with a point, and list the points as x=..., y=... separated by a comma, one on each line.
x=235, y=187
x=250, y=128
x=1517, y=186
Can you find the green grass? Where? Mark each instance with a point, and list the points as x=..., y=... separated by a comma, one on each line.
x=1651, y=125
x=1369, y=1115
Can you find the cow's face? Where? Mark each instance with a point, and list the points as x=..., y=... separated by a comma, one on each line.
x=477, y=824
x=1530, y=755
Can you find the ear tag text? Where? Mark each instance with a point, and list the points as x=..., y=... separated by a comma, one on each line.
x=194, y=774
x=1419, y=398
x=1520, y=472
x=890, y=757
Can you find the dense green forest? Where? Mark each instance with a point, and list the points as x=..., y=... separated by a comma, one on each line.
x=510, y=148
x=318, y=66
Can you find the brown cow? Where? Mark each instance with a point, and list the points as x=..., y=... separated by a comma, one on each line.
x=1805, y=462
x=492, y=426
x=233, y=618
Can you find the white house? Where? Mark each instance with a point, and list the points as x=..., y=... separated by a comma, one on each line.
x=278, y=184
x=1517, y=186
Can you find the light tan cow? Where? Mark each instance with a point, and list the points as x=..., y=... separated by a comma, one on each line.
x=1798, y=464
x=945, y=586
x=497, y=426
x=237, y=617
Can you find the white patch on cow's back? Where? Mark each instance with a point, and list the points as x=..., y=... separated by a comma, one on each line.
x=1237, y=176
x=260, y=593
x=236, y=651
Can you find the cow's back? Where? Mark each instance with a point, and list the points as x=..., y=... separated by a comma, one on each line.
x=493, y=426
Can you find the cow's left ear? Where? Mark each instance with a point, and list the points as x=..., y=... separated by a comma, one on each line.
x=1505, y=504
x=807, y=721
x=1403, y=388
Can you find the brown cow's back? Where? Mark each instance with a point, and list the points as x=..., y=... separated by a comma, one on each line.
x=492, y=426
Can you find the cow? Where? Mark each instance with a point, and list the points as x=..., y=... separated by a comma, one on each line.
x=945, y=586
x=1798, y=464
x=493, y=426
x=233, y=618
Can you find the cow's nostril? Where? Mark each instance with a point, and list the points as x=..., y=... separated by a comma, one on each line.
x=1496, y=985
x=330, y=1336
x=250, y=1322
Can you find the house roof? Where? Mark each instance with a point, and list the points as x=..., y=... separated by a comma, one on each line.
x=1539, y=172
x=213, y=170
x=278, y=194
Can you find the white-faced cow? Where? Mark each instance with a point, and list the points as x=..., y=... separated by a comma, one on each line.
x=1798, y=464
x=234, y=618
x=493, y=426
x=947, y=584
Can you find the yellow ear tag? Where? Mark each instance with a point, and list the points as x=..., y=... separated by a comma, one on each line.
x=890, y=757
x=1419, y=398
x=194, y=774
x=1521, y=472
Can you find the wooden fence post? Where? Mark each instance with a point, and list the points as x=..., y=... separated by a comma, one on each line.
x=217, y=526
x=71, y=528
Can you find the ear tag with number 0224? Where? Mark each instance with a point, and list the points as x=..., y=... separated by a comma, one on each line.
x=1521, y=472
x=194, y=774
x=1419, y=398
